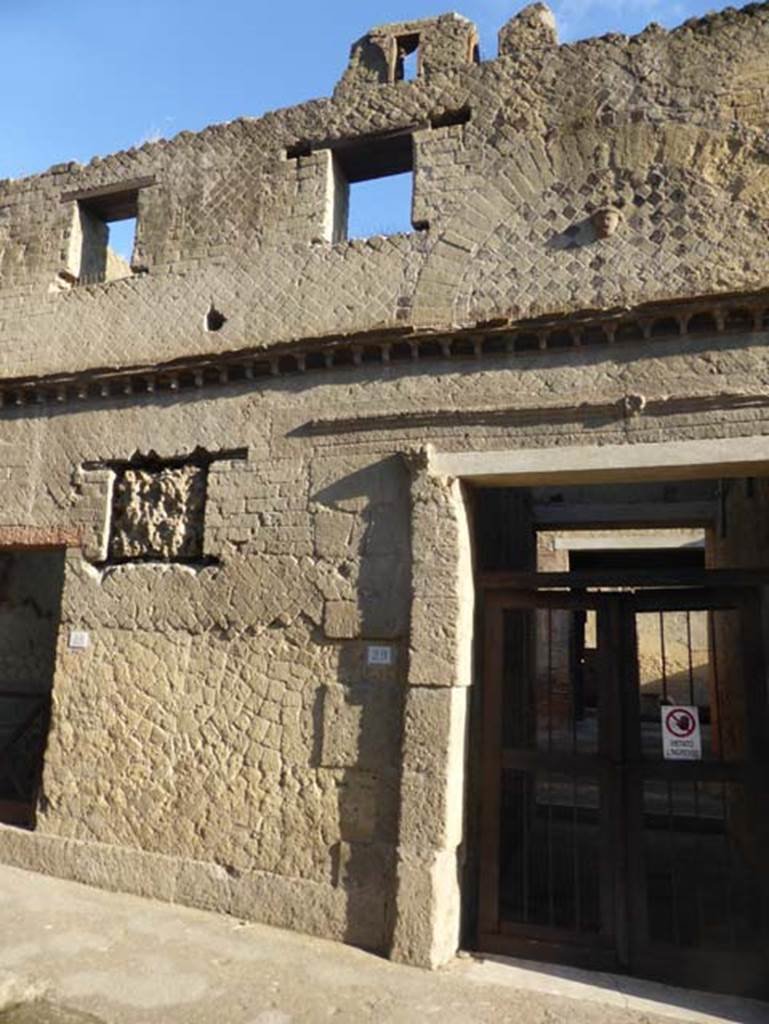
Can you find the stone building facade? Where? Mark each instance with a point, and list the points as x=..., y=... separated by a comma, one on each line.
x=249, y=454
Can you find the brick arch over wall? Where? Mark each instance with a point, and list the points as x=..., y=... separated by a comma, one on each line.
x=523, y=246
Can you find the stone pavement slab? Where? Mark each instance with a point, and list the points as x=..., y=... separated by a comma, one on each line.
x=74, y=955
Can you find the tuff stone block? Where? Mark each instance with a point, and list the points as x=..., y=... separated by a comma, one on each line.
x=533, y=28
x=440, y=44
x=341, y=619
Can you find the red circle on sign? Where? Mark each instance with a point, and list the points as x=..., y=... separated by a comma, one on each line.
x=680, y=723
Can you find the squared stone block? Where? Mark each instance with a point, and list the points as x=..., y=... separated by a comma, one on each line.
x=341, y=620
x=360, y=725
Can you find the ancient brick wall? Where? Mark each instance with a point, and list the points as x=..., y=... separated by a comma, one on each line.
x=665, y=128
x=224, y=716
x=224, y=739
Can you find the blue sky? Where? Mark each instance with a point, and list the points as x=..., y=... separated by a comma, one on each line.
x=95, y=76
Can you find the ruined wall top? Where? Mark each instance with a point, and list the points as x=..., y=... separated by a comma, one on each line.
x=438, y=43
x=550, y=180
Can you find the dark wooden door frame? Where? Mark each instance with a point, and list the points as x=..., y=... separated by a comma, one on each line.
x=694, y=967
x=619, y=766
x=539, y=942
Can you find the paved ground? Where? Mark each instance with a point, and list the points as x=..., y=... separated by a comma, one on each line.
x=74, y=955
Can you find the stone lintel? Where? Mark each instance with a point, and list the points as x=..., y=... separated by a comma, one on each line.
x=626, y=463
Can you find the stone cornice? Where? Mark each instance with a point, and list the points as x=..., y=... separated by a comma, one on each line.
x=714, y=317
x=626, y=407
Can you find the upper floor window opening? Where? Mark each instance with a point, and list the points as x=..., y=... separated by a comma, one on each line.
x=407, y=61
x=380, y=206
x=103, y=233
x=373, y=183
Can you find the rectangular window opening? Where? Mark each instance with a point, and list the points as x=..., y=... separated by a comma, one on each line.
x=408, y=61
x=103, y=232
x=107, y=235
x=121, y=238
x=381, y=206
x=373, y=187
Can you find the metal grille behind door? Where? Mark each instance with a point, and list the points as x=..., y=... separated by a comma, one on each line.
x=547, y=804
x=597, y=850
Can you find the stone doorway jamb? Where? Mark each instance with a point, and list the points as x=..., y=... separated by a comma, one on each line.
x=429, y=862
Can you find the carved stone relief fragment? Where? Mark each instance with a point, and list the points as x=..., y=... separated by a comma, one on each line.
x=157, y=513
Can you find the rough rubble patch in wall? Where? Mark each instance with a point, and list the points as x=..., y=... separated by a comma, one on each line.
x=158, y=513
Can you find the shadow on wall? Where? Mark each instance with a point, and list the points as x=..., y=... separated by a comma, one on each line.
x=31, y=584
x=362, y=537
x=362, y=533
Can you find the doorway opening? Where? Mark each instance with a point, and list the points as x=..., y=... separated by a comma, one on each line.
x=31, y=584
x=621, y=790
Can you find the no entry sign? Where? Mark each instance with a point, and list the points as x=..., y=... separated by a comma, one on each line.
x=681, y=736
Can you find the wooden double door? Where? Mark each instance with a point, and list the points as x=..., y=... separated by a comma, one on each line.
x=604, y=843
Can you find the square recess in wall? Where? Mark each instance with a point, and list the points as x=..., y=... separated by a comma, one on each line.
x=158, y=513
